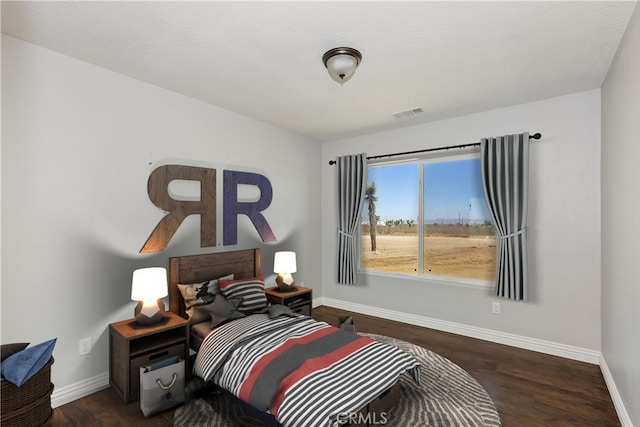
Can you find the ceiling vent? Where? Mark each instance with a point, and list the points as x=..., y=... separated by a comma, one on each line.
x=408, y=113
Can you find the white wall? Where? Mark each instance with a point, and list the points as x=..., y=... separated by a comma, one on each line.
x=78, y=144
x=620, y=220
x=564, y=224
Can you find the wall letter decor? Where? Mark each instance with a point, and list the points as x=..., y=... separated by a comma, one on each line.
x=178, y=210
x=232, y=207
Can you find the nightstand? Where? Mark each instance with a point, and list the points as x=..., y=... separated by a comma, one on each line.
x=132, y=346
x=299, y=300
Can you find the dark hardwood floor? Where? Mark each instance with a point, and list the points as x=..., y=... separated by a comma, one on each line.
x=528, y=388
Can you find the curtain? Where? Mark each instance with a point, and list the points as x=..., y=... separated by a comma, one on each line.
x=504, y=165
x=352, y=184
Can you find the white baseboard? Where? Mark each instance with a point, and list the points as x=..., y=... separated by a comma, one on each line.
x=78, y=390
x=534, y=344
x=623, y=415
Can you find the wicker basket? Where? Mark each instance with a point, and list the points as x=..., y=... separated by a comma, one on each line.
x=30, y=404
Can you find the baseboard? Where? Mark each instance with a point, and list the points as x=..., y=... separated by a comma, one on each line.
x=623, y=415
x=534, y=344
x=78, y=390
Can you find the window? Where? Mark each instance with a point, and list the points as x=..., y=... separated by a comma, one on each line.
x=428, y=217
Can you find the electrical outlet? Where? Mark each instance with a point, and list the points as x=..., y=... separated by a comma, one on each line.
x=85, y=346
x=495, y=307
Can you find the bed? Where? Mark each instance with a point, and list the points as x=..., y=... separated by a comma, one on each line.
x=287, y=367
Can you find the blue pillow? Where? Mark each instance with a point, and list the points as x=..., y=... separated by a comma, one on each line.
x=21, y=366
x=11, y=349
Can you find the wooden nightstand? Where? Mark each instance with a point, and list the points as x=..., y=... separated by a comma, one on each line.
x=299, y=300
x=132, y=346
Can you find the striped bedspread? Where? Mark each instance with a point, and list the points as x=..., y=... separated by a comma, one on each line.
x=304, y=372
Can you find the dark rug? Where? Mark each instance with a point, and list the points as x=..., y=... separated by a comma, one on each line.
x=446, y=397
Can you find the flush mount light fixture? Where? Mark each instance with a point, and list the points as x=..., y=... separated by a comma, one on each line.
x=341, y=63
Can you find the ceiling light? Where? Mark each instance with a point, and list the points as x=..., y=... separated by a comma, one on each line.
x=341, y=63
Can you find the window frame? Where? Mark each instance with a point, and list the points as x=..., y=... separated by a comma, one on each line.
x=421, y=161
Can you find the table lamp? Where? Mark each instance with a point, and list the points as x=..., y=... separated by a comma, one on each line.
x=148, y=286
x=284, y=263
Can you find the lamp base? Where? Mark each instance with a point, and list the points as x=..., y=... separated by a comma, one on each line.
x=149, y=312
x=282, y=284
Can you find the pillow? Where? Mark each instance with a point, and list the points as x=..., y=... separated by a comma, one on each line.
x=9, y=349
x=277, y=310
x=346, y=324
x=200, y=293
x=21, y=366
x=199, y=313
x=220, y=310
x=250, y=291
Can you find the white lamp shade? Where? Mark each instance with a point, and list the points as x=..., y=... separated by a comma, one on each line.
x=341, y=67
x=284, y=262
x=149, y=284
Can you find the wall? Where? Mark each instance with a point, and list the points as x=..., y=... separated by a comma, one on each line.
x=564, y=225
x=78, y=144
x=620, y=224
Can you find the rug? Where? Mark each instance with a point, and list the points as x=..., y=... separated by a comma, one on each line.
x=447, y=396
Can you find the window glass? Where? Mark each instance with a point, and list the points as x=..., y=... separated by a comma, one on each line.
x=434, y=207
x=392, y=207
x=459, y=237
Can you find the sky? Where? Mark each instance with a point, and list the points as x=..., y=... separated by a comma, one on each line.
x=453, y=190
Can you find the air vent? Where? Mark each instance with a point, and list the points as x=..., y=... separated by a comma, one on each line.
x=408, y=113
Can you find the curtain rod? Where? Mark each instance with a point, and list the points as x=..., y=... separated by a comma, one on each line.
x=537, y=135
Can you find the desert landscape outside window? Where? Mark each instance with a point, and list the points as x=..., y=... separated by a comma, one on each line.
x=430, y=218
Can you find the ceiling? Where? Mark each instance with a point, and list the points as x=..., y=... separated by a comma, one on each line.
x=264, y=59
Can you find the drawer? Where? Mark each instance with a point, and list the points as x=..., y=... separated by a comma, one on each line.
x=147, y=359
x=293, y=302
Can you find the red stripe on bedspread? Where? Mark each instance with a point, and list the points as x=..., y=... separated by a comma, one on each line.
x=264, y=361
x=313, y=365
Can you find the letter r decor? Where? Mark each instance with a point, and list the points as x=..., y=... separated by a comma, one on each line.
x=178, y=210
x=234, y=207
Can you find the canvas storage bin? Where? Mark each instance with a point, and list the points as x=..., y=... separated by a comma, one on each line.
x=161, y=388
x=30, y=404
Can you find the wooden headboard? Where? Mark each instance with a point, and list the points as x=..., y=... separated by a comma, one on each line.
x=198, y=268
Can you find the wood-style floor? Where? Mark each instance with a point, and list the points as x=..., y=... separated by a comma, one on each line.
x=528, y=388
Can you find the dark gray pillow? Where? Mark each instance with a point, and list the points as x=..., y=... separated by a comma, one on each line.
x=346, y=324
x=277, y=310
x=220, y=310
x=200, y=313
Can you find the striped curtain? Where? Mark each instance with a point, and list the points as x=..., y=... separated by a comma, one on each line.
x=352, y=184
x=504, y=165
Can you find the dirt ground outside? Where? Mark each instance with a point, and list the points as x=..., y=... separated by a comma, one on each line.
x=466, y=257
